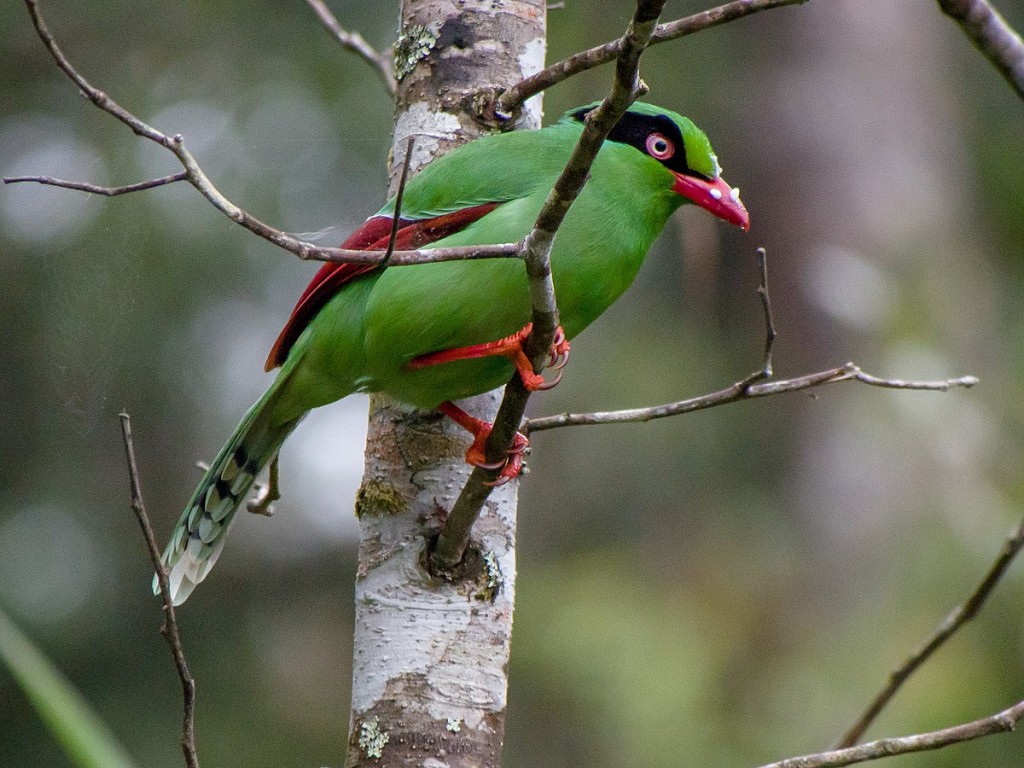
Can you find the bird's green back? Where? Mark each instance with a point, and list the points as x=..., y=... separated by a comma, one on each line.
x=507, y=166
x=496, y=168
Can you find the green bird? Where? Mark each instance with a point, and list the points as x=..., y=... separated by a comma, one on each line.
x=433, y=333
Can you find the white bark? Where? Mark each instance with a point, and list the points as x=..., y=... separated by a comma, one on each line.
x=431, y=658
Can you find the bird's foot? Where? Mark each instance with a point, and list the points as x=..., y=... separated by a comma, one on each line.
x=512, y=348
x=559, y=354
x=511, y=465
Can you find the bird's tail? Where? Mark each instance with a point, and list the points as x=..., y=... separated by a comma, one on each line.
x=199, y=536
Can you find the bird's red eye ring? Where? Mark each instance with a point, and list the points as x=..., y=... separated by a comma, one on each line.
x=659, y=147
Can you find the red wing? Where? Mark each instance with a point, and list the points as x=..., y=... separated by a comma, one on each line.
x=373, y=235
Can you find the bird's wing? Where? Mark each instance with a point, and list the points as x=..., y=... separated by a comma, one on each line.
x=373, y=235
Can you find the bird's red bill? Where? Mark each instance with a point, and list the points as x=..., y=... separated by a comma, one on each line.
x=714, y=196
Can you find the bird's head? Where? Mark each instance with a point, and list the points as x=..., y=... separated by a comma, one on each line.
x=682, y=148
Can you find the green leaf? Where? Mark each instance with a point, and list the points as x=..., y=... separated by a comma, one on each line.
x=84, y=736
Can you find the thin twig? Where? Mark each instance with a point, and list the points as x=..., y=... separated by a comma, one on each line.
x=956, y=618
x=303, y=249
x=769, y=319
x=739, y=391
x=355, y=43
x=511, y=99
x=992, y=35
x=626, y=87
x=170, y=626
x=93, y=189
x=765, y=371
x=396, y=220
x=195, y=176
x=1000, y=722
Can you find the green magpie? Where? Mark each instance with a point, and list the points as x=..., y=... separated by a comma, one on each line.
x=430, y=334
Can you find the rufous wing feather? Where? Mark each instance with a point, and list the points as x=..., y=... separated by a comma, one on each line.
x=373, y=235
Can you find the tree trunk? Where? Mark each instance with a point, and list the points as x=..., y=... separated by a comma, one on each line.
x=430, y=658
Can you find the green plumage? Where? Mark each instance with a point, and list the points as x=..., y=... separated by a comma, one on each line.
x=364, y=337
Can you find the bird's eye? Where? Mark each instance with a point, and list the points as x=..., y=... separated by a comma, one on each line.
x=659, y=147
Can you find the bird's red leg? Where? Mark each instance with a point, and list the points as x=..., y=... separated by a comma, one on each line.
x=510, y=347
x=510, y=467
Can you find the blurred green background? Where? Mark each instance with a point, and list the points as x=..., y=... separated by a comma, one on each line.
x=726, y=588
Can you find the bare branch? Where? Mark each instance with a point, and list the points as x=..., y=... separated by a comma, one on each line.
x=398, y=258
x=948, y=627
x=170, y=626
x=355, y=43
x=195, y=176
x=991, y=35
x=626, y=87
x=97, y=190
x=303, y=249
x=942, y=385
x=747, y=388
x=1001, y=722
x=511, y=99
x=741, y=390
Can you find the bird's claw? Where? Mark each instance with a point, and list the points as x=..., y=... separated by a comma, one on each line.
x=557, y=362
x=558, y=356
x=509, y=473
x=513, y=468
x=511, y=465
x=534, y=382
